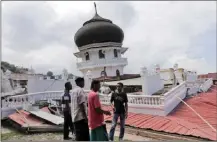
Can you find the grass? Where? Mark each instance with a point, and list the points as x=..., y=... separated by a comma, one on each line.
x=7, y=136
x=18, y=135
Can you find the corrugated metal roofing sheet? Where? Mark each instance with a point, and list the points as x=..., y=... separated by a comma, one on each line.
x=182, y=121
x=48, y=116
x=24, y=118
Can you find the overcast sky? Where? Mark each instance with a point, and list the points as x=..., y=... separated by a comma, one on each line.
x=41, y=34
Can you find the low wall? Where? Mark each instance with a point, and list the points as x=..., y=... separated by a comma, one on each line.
x=206, y=85
x=36, y=85
x=167, y=77
x=154, y=83
x=170, y=98
x=191, y=77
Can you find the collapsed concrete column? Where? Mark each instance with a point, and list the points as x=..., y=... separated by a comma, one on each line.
x=144, y=74
x=88, y=80
x=157, y=68
x=175, y=67
x=65, y=75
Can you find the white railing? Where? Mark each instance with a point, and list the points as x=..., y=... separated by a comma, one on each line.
x=206, y=85
x=146, y=100
x=101, y=62
x=140, y=100
x=28, y=99
x=136, y=100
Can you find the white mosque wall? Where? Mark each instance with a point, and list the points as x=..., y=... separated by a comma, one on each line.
x=5, y=82
x=191, y=76
x=179, y=75
x=37, y=85
x=94, y=54
x=167, y=77
x=96, y=65
x=151, y=82
x=154, y=84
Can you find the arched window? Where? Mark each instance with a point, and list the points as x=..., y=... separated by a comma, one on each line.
x=115, y=53
x=102, y=73
x=87, y=57
x=101, y=54
x=117, y=73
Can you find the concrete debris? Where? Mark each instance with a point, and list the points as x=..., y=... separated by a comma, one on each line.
x=36, y=121
x=48, y=116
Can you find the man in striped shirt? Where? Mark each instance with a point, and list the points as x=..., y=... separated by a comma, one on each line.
x=66, y=100
x=79, y=111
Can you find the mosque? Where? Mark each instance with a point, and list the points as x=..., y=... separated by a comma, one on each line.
x=170, y=101
x=99, y=42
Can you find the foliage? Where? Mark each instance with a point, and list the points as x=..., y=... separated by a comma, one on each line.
x=50, y=73
x=70, y=76
x=7, y=136
x=13, y=68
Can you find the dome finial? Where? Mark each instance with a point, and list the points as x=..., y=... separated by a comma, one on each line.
x=95, y=8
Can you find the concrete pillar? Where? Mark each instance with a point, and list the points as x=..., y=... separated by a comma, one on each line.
x=157, y=68
x=65, y=75
x=88, y=80
x=144, y=80
x=175, y=67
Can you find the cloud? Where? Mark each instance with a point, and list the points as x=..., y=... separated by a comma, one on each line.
x=121, y=13
x=167, y=29
x=41, y=34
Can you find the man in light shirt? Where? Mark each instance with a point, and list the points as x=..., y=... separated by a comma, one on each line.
x=79, y=111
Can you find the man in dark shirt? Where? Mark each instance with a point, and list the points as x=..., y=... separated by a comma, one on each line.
x=66, y=100
x=120, y=110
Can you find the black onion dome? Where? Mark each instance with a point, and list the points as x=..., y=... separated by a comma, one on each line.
x=98, y=30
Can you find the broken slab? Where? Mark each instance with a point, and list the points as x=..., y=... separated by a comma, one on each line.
x=28, y=122
x=48, y=117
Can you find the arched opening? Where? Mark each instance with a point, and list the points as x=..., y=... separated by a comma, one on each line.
x=115, y=53
x=102, y=73
x=87, y=57
x=101, y=54
x=117, y=73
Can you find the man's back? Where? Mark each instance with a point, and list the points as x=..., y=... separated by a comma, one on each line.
x=77, y=97
x=95, y=119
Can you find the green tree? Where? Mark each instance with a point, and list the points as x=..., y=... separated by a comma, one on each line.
x=13, y=68
x=50, y=73
x=70, y=76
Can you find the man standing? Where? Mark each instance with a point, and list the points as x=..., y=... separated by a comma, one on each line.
x=79, y=114
x=66, y=100
x=120, y=110
x=95, y=114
